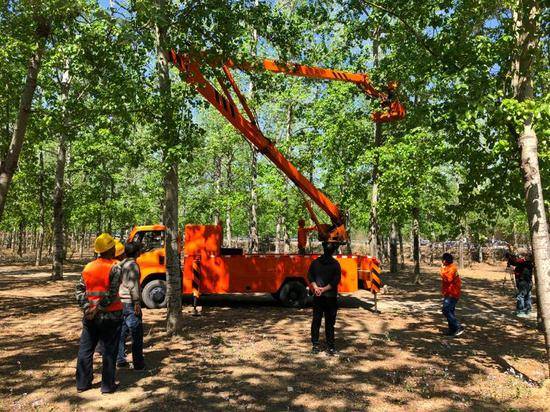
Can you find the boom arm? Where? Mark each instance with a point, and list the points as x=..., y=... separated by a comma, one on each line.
x=394, y=110
x=227, y=107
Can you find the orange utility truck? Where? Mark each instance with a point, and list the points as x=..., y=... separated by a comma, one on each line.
x=207, y=268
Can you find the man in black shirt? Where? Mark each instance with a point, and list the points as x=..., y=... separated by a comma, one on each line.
x=324, y=275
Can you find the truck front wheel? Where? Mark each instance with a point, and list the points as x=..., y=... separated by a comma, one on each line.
x=293, y=294
x=153, y=294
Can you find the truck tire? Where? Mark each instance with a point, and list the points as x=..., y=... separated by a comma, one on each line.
x=293, y=294
x=153, y=294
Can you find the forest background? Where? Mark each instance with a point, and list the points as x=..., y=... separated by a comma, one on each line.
x=93, y=155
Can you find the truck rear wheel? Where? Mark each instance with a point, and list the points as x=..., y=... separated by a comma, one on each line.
x=153, y=294
x=293, y=294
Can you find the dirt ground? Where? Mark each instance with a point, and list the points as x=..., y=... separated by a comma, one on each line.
x=249, y=353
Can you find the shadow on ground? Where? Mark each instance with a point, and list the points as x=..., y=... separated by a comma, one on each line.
x=250, y=353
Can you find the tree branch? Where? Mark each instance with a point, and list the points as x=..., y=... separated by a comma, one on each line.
x=419, y=37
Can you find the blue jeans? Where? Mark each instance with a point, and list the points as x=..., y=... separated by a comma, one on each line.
x=523, y=297
x=449, y=305
x=133, y=325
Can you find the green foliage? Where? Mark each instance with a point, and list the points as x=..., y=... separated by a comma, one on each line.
x=453, y=157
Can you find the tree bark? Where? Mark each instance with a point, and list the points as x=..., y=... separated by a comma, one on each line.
x=253, y=238
x=217, y=185
x=401, y=251
x=229, y=175
x=374, y=228
x=42, y=216
x=228, y=237
x=9, y=164
x=461, y=253
x=174, y=318
x=416, y=245
x=525, y=16
x=59, y=189
x=20, y=238
x=393, y=248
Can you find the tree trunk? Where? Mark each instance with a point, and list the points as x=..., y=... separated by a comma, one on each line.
x=59, y=190
x=278, y=235
x=416, y=245
x=480, y=253
x=461, y=253
x=9, y=164
x=229, y=174
x=253, y=239
x=173, y=271
x=228, y=238
x=81, y=245
x=525, y=17
x=20, y=238
x=393, y=248
x=41, y=203
x=109, y=210
x=401, y=251
x=174, y=318
x=374, y=228
x=286, y=238
x=217, y=185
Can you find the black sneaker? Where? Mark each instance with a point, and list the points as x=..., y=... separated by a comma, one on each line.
x=107, y=391
x=140, y=367
x=315, y=349
x=80, y=390
x=122, y=364
x=459, y=332
x=331, y=352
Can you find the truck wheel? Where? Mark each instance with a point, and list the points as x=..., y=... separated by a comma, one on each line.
x=154, y=294
x=293, y=294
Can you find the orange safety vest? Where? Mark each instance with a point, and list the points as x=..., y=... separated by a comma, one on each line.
x=451, y=283
x=96, y=277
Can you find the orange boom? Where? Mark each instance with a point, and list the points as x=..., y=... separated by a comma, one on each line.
x=209, y=268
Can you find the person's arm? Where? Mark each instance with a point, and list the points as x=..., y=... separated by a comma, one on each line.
x=114, y=284
x=134, y=276
x=312, y=285
x=132, y=282
x=81, y=297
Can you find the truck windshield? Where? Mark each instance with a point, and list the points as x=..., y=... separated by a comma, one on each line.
x=149, y=240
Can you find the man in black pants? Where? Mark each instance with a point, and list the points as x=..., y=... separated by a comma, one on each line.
x=324, y=275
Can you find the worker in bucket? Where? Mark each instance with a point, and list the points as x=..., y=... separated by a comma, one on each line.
x=324, y=276
x=303, y=233
x=130, y=296
x=97, y=295
x=451, y=285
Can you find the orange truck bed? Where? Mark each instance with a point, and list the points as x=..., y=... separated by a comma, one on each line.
x=207, y=268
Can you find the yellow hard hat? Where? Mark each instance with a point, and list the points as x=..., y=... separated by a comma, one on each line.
x=103, y=243
x=119, y=248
